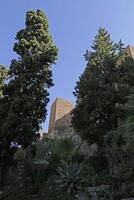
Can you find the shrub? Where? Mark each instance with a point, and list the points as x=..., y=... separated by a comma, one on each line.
x=68, y=183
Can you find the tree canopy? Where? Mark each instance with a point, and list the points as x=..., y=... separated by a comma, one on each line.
x=102, y=88
x=23, y=107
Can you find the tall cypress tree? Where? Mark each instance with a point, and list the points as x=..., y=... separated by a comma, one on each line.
x=101, y=89
x=23, y=108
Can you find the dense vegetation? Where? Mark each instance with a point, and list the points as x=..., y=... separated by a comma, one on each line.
x=59, y=169
x=102, y=89
x=25, y=96
x=103, y=114
x=3, y=75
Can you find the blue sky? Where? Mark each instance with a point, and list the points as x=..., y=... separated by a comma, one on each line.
x=73, y=25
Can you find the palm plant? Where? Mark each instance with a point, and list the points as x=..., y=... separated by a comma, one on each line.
x=47, y=157
x=56, y=150
x=63, y=149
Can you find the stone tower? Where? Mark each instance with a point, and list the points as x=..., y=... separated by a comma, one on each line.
x=59, y=108
x=130, y=51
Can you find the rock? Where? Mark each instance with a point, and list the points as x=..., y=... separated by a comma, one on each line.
x=93, y=149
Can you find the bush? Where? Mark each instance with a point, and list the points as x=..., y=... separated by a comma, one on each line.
x=43, y=160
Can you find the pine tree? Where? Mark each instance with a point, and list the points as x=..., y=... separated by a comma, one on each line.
x=23, y=108
x=101, y=90
x=102, y=47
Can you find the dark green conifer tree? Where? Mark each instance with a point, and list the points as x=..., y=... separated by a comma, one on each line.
x=23, y=107
x=102, y=88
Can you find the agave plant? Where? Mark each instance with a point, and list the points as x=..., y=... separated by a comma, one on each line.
x=47, y=157
x=68, y=183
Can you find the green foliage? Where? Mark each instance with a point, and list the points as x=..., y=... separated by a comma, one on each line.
x=43, y=159
x=42, y=149
x=62, y=149
x=36, y=166
x=123, y=181
x=34, y=177
x=58, y=170
x=102, y=88
x=3, y=75
x=102, y=47
x=114, y=151
x=127, y=128
x=56, y=151
x=14, y=195
x=101, y=106
x=23, y=108
x=20, y=155
x=95, y=176
x=68, y=183
x=103, y=195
